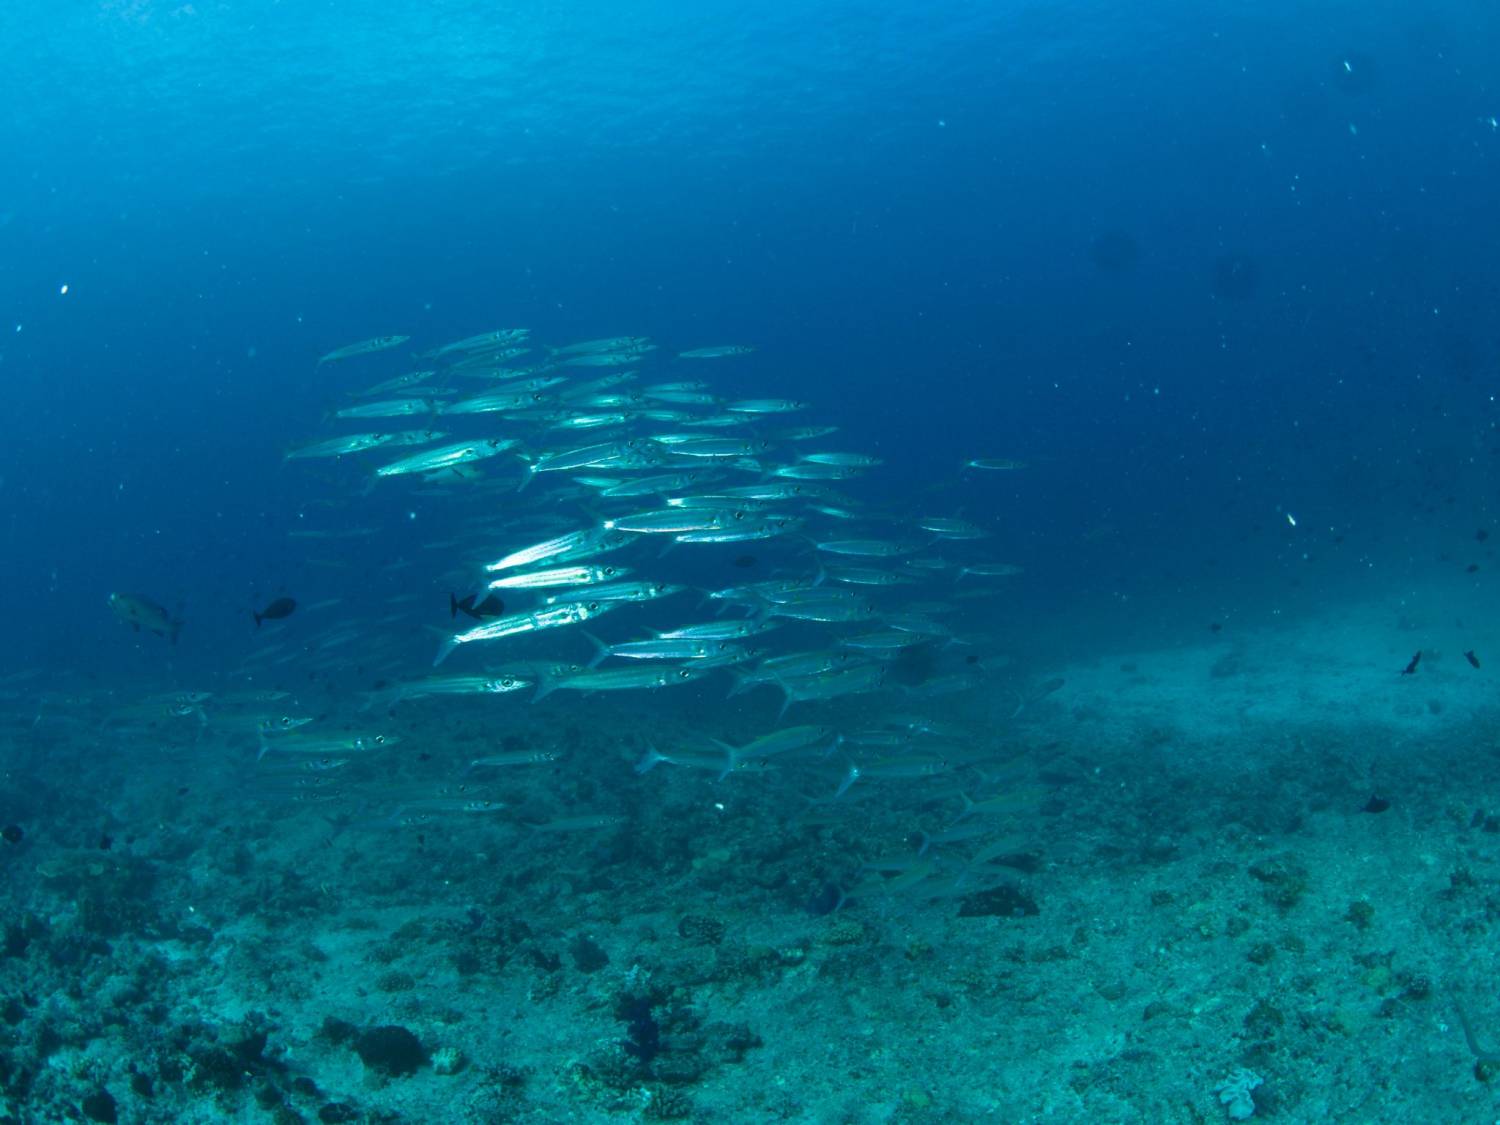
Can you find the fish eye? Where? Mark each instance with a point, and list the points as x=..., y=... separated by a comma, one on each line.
x=593, y=606
x=380, y=740
x=609, y=572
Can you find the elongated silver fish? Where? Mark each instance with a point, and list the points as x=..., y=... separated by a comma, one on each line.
x=339, y=446
x=652, y=485
x=857, y=679
x=554, y=617
x=620, y=679
x=564, y=548
x=608, y=344
x=717, y=351
x=399, y=383
x=765, y=406
x=812, y=470
x=446, y=456
x=681, y=648
x=945, y=528
x=325, y=746
x=496, y=339
x=698, y=446
x=607, y=359
x=864, y=548
x=762, y=528
x=560, y=576
x=826, y=610
x=718, y=630
x=843, y=460
x=388, y=408
x=991, y=570
x=585, y=457
x=671, y=521
x=781, y=742
x=497, y=402
x=805, y=433
x=447, y=685
x=364, y=347
x=866, y=576
x=513, y=758
x=620, y=592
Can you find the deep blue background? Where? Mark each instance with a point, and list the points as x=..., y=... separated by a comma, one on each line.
x=896, y=203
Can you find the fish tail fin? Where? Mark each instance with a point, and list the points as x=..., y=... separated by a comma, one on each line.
x=850, y=777
x=732, y=759
x=527, y=476
x=926, y=843
x=452, y=605
x=545, y=686
x=444, y=650
x=650, y=759
x=601, y=650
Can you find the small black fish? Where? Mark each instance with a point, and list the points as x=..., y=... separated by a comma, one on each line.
x=1471, y=658
x=281, y=607
x=492, y=606
x=106, y=842
x=744, y=562
x=1411, y=668
x=1215, y=627
x=1376, y=804
x=12, y=834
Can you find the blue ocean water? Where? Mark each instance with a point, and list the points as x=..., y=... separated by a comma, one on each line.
x=897, y=205
x=1221, y=275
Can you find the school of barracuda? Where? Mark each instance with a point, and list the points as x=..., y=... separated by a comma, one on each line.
x=608, y=478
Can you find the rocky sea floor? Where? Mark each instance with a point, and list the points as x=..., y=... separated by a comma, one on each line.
x=1235, y=883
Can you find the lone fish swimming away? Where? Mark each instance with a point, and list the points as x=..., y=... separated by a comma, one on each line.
x=142, y=613
x=276, y=611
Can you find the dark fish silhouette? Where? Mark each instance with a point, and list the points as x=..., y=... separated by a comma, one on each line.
x=1411, y=668
x=1471, y=658
x=492, y=606
x=1115, y=252
x=1376, y=804
x=1235, y=277
x=281, y=607
x=745, y=561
